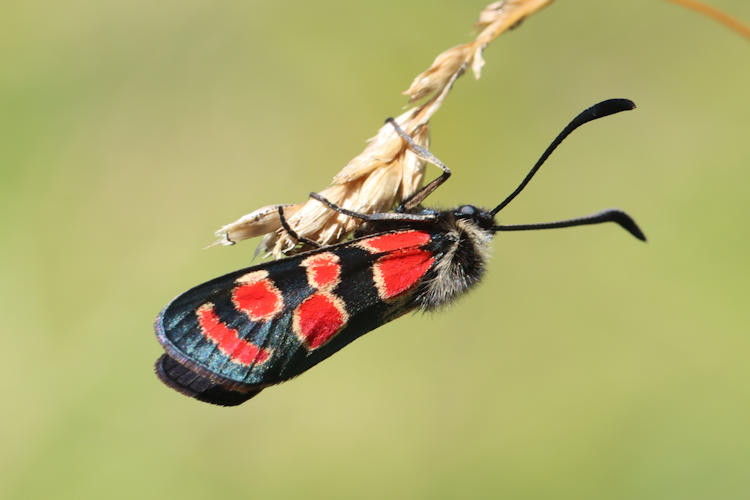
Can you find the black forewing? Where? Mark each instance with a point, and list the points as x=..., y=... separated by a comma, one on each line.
x=179, y=332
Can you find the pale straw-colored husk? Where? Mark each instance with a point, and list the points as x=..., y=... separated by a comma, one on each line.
x=386, y=172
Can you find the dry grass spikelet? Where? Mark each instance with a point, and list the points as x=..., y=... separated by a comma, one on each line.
x=386, y=172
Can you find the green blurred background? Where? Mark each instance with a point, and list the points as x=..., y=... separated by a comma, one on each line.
x=587, y=365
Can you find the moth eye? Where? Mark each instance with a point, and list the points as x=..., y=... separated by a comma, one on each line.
x=468, y=210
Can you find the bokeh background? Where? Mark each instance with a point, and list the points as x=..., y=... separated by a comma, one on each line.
x=587, y=365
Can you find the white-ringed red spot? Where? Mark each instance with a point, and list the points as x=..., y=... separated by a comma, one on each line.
x=397, y=272
x=227, y=340
x=395, y=241
x=318, y=319
x=323, y=270
x=257, y=297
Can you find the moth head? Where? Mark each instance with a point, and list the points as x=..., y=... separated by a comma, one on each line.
x=480, y=216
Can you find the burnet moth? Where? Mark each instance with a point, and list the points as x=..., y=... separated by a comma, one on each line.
x=229, y=338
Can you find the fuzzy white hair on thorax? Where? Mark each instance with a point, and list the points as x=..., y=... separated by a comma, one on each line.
x=460, y=268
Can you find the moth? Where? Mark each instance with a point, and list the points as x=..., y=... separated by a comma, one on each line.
x=229, y=338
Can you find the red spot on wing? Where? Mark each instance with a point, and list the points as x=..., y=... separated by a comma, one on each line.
x=239, y=350
x=259, y=300
x=323, y=270
x=397, y=272
x=395, y=241
x=318, y=319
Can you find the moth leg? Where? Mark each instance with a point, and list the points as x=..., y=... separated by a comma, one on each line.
x=291, y=232
x=374, y=217
x=421, y=153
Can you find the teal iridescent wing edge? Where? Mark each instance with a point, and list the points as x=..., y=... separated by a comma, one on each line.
x=205, y=330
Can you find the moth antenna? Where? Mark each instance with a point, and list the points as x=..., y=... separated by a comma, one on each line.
x=599, y=110
x=611, y=215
